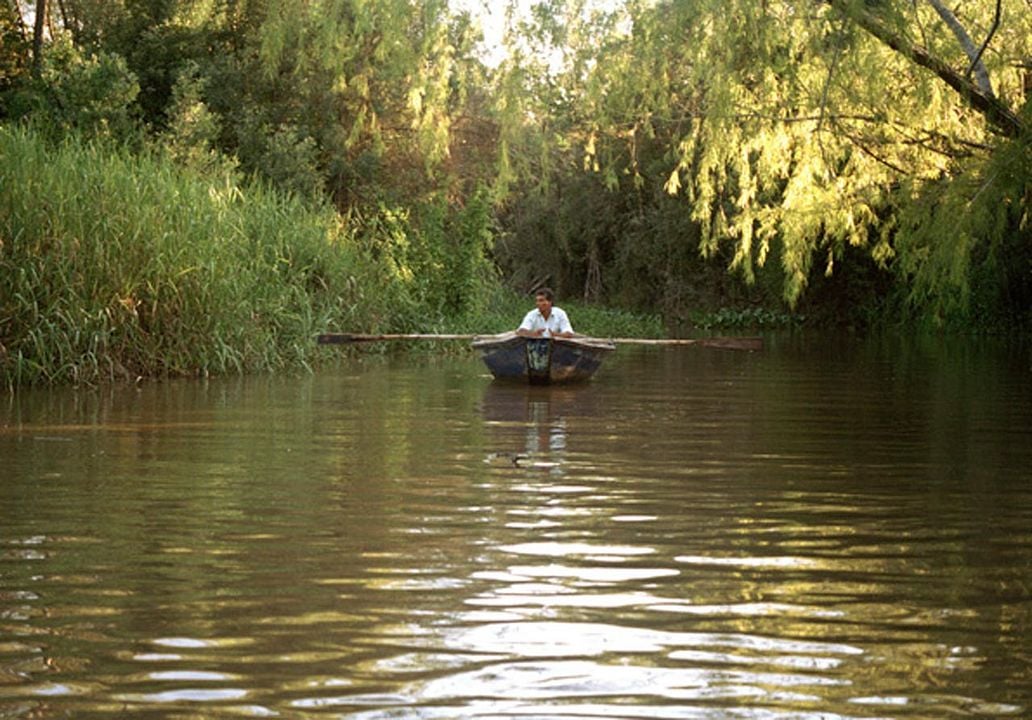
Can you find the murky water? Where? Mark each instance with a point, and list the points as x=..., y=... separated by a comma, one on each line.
x=827, y=529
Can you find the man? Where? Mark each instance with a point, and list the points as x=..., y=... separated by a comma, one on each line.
x=545, y=320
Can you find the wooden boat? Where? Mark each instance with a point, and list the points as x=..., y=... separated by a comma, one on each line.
x=542, y=361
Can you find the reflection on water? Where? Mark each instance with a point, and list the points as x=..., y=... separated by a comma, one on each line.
x=537, y=415
x=834, y=530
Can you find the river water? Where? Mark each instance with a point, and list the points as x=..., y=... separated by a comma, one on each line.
x=830, y=528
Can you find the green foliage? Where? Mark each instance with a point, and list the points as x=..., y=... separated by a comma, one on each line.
x=348, y=83
x=968, y=238
x=437, y=257
x=117, y=266
x=15, y=53
x=636, y=246
x=192, y=135
x=286, y=158
x=832, y=156
x=796, y=133
x=114, y=266
x=751, y=318
x=345, y=98
x=501, y=310
x=460, y=240
x=91, y=94
x=156, y=38
x=600, y=321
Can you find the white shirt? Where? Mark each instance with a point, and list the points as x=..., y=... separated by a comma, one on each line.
x=557, y=322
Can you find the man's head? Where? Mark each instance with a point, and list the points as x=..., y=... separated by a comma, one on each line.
x=544, y=298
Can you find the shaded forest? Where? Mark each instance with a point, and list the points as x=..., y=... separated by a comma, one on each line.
x=175, y=171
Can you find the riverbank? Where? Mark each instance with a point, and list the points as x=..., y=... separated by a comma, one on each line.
x=117, y=265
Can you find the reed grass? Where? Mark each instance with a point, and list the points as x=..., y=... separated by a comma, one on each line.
x=117, y=266
x=121, y=266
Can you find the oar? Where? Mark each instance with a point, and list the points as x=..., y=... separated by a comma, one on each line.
x=723, y=343
x=344, y=338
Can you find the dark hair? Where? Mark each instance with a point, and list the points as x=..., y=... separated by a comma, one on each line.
x=547, y=292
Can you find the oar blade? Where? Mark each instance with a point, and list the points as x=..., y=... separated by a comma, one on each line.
x=722, y=343
x=733, y=343
x=338, y=339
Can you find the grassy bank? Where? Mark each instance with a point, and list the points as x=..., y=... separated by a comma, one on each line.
x=116, y=266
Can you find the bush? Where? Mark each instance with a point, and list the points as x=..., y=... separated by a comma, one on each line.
x=89, y=95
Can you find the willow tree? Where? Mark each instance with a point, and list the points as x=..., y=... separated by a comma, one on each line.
x=796, y=129
x=372, y=87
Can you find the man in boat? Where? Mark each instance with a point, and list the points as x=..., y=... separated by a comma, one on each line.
x=545, y=320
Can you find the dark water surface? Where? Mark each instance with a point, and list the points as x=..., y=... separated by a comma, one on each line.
x=827, y=529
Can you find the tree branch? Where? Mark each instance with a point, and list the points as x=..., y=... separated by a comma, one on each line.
x=862, y=146
x=997, y=113
x=973, y=53
x=992, y=31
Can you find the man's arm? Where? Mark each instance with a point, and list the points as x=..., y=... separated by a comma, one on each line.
x=565, y=328
x=523, y=332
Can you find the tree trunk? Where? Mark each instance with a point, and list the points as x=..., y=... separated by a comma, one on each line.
x=37, y=36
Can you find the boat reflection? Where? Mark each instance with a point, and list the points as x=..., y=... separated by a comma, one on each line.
x=530, y=425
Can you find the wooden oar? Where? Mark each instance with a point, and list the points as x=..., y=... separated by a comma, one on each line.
x=344, y=338
x=723, y=343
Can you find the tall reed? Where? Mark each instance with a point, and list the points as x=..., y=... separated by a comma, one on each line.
x=114, y=265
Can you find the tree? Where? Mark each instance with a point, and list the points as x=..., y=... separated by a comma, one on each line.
x=795, y=129
x=15, y=48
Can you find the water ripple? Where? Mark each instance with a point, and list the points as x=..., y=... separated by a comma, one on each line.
x=695, y=535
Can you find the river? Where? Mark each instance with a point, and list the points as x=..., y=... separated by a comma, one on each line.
x=829, y=528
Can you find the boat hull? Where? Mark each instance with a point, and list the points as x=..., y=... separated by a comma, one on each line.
x=542, y=361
